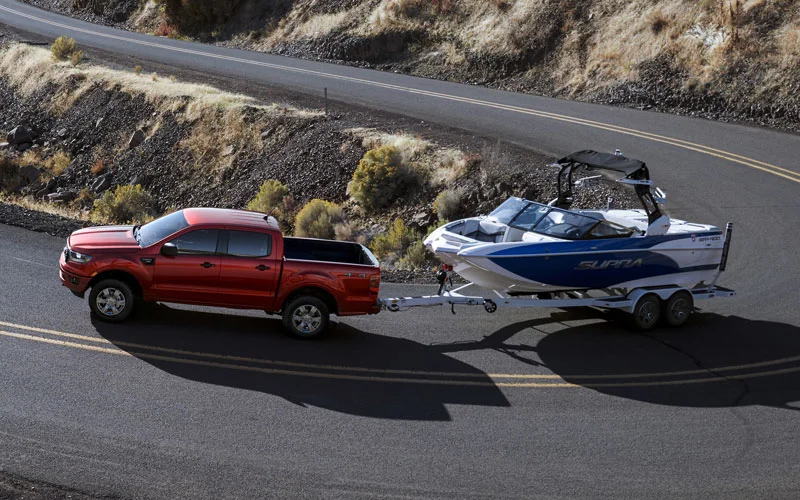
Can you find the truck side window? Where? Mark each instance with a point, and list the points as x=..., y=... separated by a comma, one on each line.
x=200, y=242
x=248, y=244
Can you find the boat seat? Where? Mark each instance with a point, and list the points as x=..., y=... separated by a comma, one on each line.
x=485, y=231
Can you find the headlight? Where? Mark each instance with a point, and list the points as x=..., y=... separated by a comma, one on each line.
x=80, y=258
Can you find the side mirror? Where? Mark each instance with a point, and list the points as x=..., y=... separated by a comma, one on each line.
x=169, y=249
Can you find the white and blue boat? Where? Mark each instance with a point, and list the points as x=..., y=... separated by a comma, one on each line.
x=525, y=248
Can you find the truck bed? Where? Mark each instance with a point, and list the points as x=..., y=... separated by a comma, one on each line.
x=341, y=252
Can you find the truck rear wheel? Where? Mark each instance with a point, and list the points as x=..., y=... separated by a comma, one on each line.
x=111, y=300
x=306, y=317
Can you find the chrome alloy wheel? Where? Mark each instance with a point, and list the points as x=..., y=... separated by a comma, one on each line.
x=110, y=301
x=307, y=318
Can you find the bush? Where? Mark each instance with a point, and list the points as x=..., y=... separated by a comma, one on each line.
x=98, y=167
x=76, y=57
x=394, y=242
x=379, y=178
x=415, y=257
x=124, y=204
x=198, y=15
x=269, y=198
x=448, y=204
x=63, y=48
x=10, y=179
x=137, y=70
x=318, y=219
x=58, y=163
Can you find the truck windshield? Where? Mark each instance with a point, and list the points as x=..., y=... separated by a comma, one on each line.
x=159, y=229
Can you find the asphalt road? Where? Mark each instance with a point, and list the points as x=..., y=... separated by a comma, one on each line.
x=183, y=403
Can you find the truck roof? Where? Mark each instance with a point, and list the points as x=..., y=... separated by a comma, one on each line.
x=227, y=216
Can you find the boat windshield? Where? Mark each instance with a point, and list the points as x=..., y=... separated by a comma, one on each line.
x=510, y=208
x=565, y=225
x=545, y=219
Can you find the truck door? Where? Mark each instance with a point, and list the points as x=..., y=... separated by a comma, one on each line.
x=249, y=270
x=193, y=275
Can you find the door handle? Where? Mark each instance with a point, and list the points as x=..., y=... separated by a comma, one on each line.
x=262, y=267
x=207, y=264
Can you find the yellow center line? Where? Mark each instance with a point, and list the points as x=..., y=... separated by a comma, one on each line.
x=276, y=371
x=458, y=375
x=732, y=157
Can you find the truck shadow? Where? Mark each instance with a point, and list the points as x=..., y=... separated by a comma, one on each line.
x=349, y=371
x=712, y=361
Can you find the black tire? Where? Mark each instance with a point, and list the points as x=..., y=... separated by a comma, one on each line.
x=306, y=317
x=646, y=313
x=111, y=300
x=678, y=308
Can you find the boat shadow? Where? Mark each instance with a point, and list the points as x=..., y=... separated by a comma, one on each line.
x=349, y=371
x=712, y=361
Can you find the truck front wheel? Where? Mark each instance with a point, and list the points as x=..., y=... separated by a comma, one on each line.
x=306, y=317
x=111, y=300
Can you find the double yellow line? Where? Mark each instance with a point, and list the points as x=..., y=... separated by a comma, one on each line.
x=364, y=374
x=680, y=143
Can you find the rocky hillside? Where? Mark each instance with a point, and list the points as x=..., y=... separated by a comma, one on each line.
x=106, y=145
x=725, y=59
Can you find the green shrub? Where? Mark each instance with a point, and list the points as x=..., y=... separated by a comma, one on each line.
x=394, y=242
x=124, y=204
x=269, y=198
x=318, y=219
x=448, y=204
x=379, y=178
x=63, y=48
x=415, y=257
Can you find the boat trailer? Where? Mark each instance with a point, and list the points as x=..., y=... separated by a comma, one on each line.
x=647, y=305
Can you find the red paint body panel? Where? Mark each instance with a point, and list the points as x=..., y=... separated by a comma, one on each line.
x=217, y=280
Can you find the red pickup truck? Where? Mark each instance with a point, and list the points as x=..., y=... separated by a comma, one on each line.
x=224, y=258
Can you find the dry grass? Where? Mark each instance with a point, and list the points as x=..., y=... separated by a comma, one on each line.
x=30, y=68
x=219, y=119
x=58, y=163
x=42, y=206
x=594, y=44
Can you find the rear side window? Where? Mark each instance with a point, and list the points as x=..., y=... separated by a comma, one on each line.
x=247, y=244
x=200, y=242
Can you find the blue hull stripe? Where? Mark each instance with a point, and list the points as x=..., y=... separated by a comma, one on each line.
x=594, y=271
x=614, y=244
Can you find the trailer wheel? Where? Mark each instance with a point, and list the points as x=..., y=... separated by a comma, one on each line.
x=646, y=313
x=678, y=308
x=306, y=317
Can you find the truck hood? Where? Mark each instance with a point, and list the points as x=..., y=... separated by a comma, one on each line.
x=103, y=238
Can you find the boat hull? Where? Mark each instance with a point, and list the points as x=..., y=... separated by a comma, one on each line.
x=686, y=259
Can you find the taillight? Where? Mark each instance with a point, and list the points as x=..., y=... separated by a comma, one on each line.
x=375, y=283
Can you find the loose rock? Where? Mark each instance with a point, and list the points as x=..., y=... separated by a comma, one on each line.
x=136, y=139
x=19, y=135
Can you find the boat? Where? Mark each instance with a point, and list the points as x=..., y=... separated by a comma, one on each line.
x=529, y=248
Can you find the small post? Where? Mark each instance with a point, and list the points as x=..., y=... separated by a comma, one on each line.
x=326, y=101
